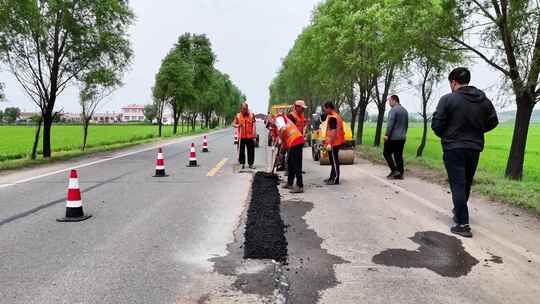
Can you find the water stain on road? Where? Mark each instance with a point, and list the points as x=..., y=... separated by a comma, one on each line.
x=310, y=268
x=438, y=252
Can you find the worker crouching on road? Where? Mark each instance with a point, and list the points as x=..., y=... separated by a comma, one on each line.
x=245, y=123
x=292, y=140
x=335, y=138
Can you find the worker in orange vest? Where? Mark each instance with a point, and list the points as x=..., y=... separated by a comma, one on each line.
x=335, y=138
x=245, y=123
x=297, y=115
x=292, y=141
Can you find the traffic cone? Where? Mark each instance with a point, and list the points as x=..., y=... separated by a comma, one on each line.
x=205, y=144
x=192, y=156
x=160, y=164
x=236, y=137
x=74, y=209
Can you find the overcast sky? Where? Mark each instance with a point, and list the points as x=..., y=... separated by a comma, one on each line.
x=249, y=37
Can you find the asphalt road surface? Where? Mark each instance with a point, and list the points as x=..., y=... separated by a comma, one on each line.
x=179, y=239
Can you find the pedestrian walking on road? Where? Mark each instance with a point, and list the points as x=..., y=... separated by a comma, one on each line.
x=245, y=123
x=461, y=120
x=292, y=141
x=395, y=137
x=335, y=138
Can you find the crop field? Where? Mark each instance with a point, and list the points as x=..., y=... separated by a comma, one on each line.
x=490, y=178
x=17, y=141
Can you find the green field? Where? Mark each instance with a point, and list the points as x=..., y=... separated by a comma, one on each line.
x=17, y=140
x=490, y=178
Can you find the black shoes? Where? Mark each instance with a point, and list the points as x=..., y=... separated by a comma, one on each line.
x=463, y=230
x=395, y=175
x=331, y=182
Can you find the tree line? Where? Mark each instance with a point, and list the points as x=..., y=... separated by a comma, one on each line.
x=357, y=52
x=50, y=45
x=191, y=87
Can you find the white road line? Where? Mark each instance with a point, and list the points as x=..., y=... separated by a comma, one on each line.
x=100, y=161
x=514, y=247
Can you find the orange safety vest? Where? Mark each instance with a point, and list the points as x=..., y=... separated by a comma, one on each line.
x=340, y=131
x=291, y=135
x=246, y=126
x=300, y=120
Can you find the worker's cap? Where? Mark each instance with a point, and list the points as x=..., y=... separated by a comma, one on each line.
x=300, y=103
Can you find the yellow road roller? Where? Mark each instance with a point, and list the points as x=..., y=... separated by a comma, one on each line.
x=318, y=151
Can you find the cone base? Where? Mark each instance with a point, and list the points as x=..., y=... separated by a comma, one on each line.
x=160, y=173
x=74, y=219
x=205, y=150
x=192, y=164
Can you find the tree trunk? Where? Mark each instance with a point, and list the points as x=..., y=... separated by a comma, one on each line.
x=380, y=121
x=360, y=128
x=36, y=139
x=160, y=125
x=354, y=117
x=175, y=124
x=85, y=134
x=516, y=159
x=420, y=150
x=47, y=126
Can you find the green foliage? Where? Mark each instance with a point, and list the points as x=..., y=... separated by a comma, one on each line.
x=11, y=114
x=150, y=112
x=190, y=84
x=51, y=43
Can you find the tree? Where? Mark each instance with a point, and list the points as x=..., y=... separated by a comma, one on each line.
x=97, y=85
x=1, y=116
x=11, y=114
x=510, y=43
x=49, y=44
x=150, y=112
x=2, y=95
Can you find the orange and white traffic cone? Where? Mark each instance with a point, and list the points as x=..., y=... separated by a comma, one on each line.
x=74, y=209
x=160, y=164
x=192, y=156
x=205, y=144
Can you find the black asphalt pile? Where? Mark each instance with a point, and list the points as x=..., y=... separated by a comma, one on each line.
x=265, y=230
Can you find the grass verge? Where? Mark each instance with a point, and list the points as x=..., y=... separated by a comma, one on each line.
x=75, y=153
x=487, y=184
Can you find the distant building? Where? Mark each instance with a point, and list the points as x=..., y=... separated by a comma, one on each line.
x=71, y=118
x=132, y=113
x=107, y=118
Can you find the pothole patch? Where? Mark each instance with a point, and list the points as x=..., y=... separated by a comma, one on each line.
x=438, y=252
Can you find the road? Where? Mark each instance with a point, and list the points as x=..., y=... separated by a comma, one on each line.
x=179, y=239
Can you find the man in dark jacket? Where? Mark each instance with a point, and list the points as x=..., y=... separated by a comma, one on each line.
x=395, y=137
x=461, y=119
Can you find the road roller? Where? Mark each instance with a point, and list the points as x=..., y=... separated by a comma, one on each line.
x=318, y=151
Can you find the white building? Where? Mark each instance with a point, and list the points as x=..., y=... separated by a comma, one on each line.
x=133, y=112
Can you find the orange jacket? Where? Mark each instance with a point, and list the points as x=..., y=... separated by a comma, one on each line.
x=291, y=136
x=339, y=139
x=246, y=127
x=300, y=121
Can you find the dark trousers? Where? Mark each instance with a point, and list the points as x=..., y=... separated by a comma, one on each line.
x=461, y=166
x=248, y=143
x=393, y=153
x=294, y=165
x=334, y=162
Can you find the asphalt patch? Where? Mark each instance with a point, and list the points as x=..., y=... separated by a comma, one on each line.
x=438, y=252
x=265, y=231
x=310, y=268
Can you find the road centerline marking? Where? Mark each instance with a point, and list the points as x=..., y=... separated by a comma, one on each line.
x=217, y=167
